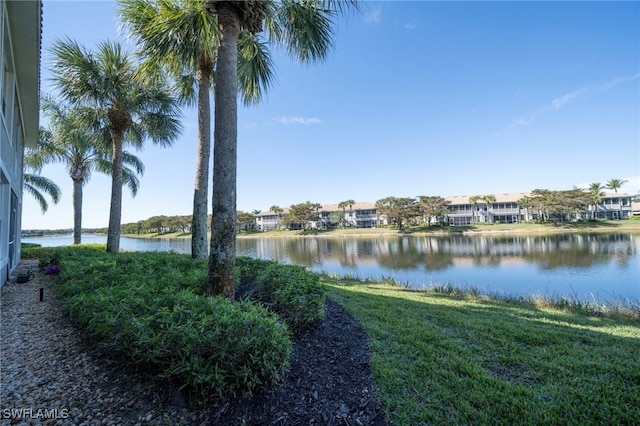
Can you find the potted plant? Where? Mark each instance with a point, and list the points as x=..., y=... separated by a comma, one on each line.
x=23, y=277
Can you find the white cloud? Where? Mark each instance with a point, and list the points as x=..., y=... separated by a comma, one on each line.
x=298, y=120
x=409, y=26
x=525, y=121
x=374, y=16
x=565, y=99
x=611, y=84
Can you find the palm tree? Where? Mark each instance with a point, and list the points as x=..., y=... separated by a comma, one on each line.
x=473, y=200
x=128, y=106
x=277, y=210
x=68, y=140
x=35, y=184
x=615, y=184
x=595, y=196
x=304, y=28
x=183, y=37
x=489, y=199
x=343, y=205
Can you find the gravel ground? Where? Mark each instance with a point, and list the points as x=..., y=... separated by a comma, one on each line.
x=47, y=371
x=50, y=376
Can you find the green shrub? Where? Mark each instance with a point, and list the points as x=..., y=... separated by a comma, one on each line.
x=148, y=308
x=248, y=269
x=296, y=293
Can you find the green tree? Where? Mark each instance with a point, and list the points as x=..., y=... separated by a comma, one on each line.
x=36, y=185
x=343, y=205
x=246, y=221
x=433, y=206
x=278, y=211
x=489, y=199
x=615, y=184
x=303, y=214
x=595, y=196
x=70, y=141
x=398, y=210
x=305, y=29
x=182, y=37
x=473, y=200
x=128, y=105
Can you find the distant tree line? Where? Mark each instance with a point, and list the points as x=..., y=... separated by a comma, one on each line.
x=424, y=210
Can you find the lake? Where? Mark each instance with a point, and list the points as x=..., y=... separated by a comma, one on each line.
x=584, y=267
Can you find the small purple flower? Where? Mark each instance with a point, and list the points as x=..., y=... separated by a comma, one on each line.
x=52, y=270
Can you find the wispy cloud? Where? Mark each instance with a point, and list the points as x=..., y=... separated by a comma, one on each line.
x=298, y=120
x=520, y=122
x=618, y=80
x=561, y=101
x=409, y=26
x=373, y=16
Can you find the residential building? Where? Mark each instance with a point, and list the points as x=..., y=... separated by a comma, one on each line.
x=358, y=215
x=20, y=38
x=462, y=211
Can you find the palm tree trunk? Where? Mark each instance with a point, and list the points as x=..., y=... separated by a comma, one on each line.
x=222, y=252
x=115, y=213
x=77, y=211
x=200, y=194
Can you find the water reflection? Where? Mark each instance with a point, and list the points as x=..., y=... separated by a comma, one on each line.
x=605, y=267
x=440, y=253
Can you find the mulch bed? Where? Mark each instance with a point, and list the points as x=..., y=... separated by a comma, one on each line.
x=49, y=364
x=328, y=383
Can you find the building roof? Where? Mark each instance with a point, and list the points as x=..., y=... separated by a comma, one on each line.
x=510, y=197
x=500, y=198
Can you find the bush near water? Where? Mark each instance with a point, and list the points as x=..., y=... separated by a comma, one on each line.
x=149, y=308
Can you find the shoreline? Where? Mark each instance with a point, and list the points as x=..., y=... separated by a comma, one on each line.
x=468, y=230
x=518, y=229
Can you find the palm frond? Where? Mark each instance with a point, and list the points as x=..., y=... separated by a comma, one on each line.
x=255, y=67
x=303, y=28
x=36, y=185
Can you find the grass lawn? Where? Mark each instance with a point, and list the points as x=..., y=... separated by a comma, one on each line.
x=443, y=359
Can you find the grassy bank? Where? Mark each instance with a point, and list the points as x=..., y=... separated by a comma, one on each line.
x=437, y=358
x=442, y=359
x=496, y=228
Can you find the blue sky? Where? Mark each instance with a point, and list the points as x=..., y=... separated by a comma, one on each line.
x=416, y=98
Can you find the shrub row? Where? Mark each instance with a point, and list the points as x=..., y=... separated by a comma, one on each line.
x=149, y=308
x=292, y=291
x=296, y=293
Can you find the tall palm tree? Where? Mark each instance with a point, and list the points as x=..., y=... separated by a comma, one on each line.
x=615, y=184
x=35, y=184
x=70, y=141
x=277, y=210
x=343, y=205
x=128, y=106
x=595, y=196
x=489, y=199
x=304, y=28
x=473, y=200
x=183, y=37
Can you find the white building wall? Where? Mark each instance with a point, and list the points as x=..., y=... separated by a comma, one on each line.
x=20, y=35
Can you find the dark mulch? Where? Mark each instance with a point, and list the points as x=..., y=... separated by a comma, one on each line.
x=328, y=383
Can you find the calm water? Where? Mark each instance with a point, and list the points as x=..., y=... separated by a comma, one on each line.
x=602, y=267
